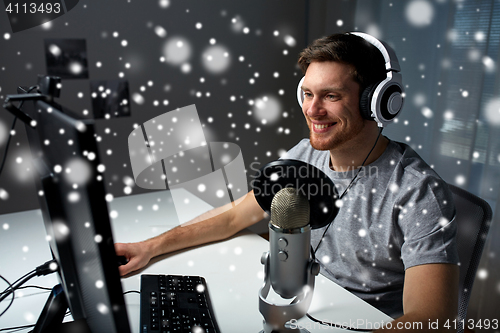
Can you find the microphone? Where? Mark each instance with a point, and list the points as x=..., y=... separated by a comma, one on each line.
x=294, y=211
x=290, y=242
x=287, y=267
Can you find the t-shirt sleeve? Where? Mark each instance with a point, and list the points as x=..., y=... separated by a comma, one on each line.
x=426, y=217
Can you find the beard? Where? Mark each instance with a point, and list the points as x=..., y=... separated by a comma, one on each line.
x=337, y=138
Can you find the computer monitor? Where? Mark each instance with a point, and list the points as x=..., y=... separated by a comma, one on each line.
x=72, y=199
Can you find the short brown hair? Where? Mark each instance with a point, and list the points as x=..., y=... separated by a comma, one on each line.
x=368, y=62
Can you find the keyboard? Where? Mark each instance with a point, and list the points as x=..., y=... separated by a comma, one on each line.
x=175, y=303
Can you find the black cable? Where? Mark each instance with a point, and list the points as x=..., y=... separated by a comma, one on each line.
x=15, y=287
x=37, y=287
x=46, y=291
x=12, y=300
x=11, y=287
x=131, y=291
x=347, y=189
x=337, y=325
x=44, y=269
x=16, y=328
x=7, y=289
x=313, y=251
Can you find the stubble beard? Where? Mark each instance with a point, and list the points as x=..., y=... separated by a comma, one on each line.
x=336, y=139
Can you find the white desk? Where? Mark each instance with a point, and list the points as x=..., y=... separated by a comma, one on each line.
x=232, y=268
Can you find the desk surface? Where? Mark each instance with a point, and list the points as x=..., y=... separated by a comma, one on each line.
x=232, y=267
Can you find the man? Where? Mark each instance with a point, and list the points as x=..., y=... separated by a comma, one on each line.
x=392, y=242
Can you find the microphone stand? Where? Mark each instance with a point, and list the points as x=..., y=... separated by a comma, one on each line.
x=276, y=316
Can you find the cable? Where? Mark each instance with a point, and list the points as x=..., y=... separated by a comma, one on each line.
x=131, y=291
x=16, y=328
x=347, y=189
x=7, y=289
x=12, y=300
x=11, y=287
x=313, y=251
x=337, y=325
x=37, y=287
x=47, y=268
x=23, y=281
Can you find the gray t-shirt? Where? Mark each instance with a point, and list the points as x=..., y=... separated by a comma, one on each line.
x=397, y=214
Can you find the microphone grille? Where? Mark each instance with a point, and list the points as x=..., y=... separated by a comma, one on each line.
x=289, y=209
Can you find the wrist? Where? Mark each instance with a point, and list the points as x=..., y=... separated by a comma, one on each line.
x=151, y=248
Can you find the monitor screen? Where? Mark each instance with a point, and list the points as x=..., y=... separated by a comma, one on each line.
x=72, y=199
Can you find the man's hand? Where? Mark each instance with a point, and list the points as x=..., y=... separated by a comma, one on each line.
x=137, y=254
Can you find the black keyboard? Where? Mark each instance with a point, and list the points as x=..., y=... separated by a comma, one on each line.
x=174, y=303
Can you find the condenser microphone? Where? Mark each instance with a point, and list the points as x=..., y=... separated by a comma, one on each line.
x=290, y=242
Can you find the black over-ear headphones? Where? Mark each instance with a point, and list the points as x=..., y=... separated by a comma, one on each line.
x=381, y=101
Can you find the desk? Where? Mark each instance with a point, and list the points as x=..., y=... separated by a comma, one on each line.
x=232, y=267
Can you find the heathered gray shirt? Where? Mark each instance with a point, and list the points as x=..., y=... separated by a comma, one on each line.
x=398, y=214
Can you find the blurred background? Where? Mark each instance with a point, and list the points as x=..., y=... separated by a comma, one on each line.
x=125, y=62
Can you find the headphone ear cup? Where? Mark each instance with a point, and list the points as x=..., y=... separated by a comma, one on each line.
x=365, y=101
x=391, y=102
x=300, y=93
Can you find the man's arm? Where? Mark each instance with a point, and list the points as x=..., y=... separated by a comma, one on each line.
x=217, y=224
x=430, y=295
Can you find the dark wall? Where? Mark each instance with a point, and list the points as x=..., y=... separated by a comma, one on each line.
x=142, y=24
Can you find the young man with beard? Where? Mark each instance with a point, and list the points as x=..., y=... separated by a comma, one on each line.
x=392, y=242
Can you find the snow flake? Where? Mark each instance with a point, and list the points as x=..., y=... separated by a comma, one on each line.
x=460, y=180
x=164, y=3
x=73, y=197
x=482, y=274
x=160, y=31
x=290, y=41
x=419, y=13
x=103, y=309
x=216, y=59
x=393, y=187
x=492, y=112
x=427, y=113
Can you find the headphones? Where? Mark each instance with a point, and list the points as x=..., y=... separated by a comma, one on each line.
x=381, y=101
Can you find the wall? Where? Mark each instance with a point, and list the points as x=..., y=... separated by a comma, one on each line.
x=128, y=40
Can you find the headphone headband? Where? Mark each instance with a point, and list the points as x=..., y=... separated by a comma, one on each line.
x=390, y=58
x=382, y=101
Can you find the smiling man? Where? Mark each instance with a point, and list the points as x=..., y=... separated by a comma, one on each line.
x=393, y=240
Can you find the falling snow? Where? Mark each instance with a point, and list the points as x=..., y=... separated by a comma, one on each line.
x=205, y=61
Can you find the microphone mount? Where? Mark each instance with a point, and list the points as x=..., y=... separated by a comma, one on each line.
x=276, y=316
